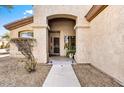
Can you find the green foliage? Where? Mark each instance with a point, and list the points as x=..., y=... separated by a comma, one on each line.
x=25, y=46
x=8, y=7
x=69, y=49
x=6, y=36
x=7, y=45
x=66, y=46
x=70, y=52
x=2, y=46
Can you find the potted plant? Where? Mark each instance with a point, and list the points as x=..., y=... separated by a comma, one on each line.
x=71, y=55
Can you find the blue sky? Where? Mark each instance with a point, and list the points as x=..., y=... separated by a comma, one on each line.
x=18, y=12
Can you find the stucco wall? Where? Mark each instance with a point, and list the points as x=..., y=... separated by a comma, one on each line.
x=107, y=35
x=41, y=48
x=66, y=28
x=43, y=13
x=14, y=34
x=83, y=44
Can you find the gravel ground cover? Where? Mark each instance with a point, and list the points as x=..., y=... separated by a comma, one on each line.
x=13, y=74
x=89, y=76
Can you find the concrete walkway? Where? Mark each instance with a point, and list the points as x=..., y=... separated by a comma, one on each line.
x=4, y=55
x=61, y=75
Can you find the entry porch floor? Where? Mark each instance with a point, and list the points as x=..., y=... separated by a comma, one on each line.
x=60, y=60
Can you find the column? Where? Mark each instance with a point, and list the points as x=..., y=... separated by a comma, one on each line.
x=41, y=35
x=82, y=42
x=41, y=47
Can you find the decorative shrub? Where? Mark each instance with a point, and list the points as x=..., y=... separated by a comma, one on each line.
x=69, y=49
x=70, y=52
x=7, y=45
x=2, y=46
x=25, y=46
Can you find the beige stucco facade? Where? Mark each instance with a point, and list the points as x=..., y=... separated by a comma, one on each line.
x=15, y=34
x=46, y=13
x=107, y=37
x=40, y=28
x=99, y=42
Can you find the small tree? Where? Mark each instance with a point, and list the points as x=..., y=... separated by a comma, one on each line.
x=8, y=7
x=6, y=36
x=25, y=46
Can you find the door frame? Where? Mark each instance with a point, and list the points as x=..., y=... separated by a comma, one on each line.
x=51, y=42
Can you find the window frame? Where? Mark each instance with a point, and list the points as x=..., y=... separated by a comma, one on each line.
x=25, y=31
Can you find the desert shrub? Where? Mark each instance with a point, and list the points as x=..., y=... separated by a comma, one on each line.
x=2, y=46
x=25, y=46
x=7, y=45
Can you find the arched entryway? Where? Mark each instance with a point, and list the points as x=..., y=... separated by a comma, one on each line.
x=61, y=32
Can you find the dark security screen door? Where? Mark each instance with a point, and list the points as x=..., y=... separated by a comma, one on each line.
x=56, y=45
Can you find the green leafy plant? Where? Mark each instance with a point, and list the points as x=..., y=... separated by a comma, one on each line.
x=2, y=46
x=69, y=49
x=6, y=36
x=7, y=45
x=25, y=46
x=8, y=7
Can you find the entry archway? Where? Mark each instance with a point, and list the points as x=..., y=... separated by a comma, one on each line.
x=61, y=31
x=68, y=16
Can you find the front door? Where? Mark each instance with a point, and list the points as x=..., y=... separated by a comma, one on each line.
x=56, y=45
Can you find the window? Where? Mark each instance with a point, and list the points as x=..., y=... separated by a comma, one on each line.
x=72, y=42
x=26, y=34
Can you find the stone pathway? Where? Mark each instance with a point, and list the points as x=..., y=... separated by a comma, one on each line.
x=61, y=75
